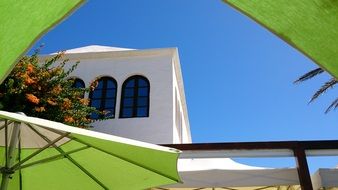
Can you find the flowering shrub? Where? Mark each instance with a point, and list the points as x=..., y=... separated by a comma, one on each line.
x=44, y=90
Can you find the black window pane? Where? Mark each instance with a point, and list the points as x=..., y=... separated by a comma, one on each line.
x=110, y=103
x=94, y=116
x=142, y=83
x=97, y=94
x=130, y=83
x=96, y=103
x=78, y=84
x=129, y=92
x=110, y=84
x=110, y=93
x=128, y=102
x=143, y=91
x=135, y=98
x=142, y=101
x=142, y=112
x=103, y=98
x=127, y=112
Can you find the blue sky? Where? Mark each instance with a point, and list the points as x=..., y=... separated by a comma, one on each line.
x=238, y=76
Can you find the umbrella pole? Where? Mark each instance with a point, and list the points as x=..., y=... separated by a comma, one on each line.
x=6, y=172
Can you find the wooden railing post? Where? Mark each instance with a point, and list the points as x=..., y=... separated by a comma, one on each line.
x=303, y=168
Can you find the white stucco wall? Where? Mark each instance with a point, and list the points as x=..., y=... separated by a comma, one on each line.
x=181, y=127
x=159, y=66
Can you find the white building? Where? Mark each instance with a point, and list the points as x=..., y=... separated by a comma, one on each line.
x=142, y=89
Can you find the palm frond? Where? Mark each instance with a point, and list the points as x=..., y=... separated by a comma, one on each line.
x=323, y=89
x=333, y=106
x=309, y=75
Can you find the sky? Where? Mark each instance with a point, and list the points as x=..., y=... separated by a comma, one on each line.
x=238, y=76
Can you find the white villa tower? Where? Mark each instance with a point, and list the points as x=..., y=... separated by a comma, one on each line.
x=142, y=89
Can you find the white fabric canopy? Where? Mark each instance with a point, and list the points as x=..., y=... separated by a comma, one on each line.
x=325, y=178
x=224, y=172
x=31, y=140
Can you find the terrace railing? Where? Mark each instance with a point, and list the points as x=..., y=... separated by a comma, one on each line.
x=297, y=149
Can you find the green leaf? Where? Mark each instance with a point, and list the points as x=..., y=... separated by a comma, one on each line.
x=23, y=22
x=311, y=26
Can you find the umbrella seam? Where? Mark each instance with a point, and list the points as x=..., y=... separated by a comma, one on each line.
x=84, y=143
x=37, y=152
x=70, y=159
x=127, y=160
x=52, y=158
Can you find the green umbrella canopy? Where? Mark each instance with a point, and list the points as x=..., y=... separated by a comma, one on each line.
x=23, y=22
x=54, y=156
x=311, y=26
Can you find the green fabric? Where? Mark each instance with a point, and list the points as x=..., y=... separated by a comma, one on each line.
x=15, y=182
x=147, y=158
x=2, y=157
x=311, y=26
x=23, y=22
x=59, y=174
x=116, y=165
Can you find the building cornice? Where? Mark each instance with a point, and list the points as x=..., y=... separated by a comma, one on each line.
x=116, y=54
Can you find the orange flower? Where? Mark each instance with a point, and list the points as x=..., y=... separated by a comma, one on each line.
x=51, y=102
x=69, y=119
x=29, y=81
x=40, y=109
x=33, y=99
x=88, y=120
x=105, y=112
x=93, y=84
x=84, y=101
x=56, y=90
x=30, y=68
x=67, y=104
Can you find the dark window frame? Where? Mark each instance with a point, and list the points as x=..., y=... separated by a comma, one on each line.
x=103, y=98
x=135, y=97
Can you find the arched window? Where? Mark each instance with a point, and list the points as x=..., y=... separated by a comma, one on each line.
x=103, y=97
x=78, y=83
x=135, y=97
